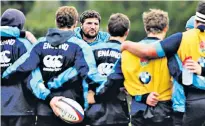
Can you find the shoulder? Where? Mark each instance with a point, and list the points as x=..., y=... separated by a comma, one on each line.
x=173, y=39
x=25, y=42
x=77, y=32
x=41, y=39
x=39, y=44
x=103, y=36
x=75, y=40
x=9, y=31
x=191, y=32
x=126, y=54
x=79, y=42
x=99, y=45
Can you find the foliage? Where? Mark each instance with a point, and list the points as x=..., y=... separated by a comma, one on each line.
x=41, y=16
x=179, y=12
x=24, y=6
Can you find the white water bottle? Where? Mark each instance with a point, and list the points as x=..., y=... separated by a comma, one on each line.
x=187, y=76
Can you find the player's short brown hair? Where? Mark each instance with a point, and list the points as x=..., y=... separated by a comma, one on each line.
x=118, y=24
x=66, y=16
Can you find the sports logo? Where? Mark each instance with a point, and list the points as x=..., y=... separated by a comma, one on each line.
x=105, y=68
x=52, y=63
x=4, y=59
x=143, y=61
x=202, y=46
x=145, y=77
x=201, y=61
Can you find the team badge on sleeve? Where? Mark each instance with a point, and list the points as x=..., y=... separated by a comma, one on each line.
x=145, y=77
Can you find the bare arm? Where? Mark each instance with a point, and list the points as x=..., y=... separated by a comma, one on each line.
x=168, y=47
x=31, y=37
x=140, y=49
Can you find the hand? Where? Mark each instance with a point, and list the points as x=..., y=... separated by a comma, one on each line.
x=53, y=102
x=31, y=37
x=193, y=66
x=90, y=97
x=152, y=99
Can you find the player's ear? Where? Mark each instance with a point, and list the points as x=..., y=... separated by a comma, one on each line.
x=127, y=32
x=166, y=29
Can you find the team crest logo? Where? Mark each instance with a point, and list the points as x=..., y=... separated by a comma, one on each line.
x=145, y=77
x=105, y=68
x=201, y=61
x=52, y=63
x=202, y=46
x=143, y=61
x=5, y=58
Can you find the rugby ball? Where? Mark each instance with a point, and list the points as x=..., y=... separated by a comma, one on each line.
x=70, y=111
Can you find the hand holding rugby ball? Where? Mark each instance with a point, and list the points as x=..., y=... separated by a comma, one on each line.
x=69, y=110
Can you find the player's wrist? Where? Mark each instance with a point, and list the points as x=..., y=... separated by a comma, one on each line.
x=203, y=71
x=144, y=98
x=49, y=98
x=22, y=34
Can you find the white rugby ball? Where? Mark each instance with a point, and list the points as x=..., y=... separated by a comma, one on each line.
x=70, y=111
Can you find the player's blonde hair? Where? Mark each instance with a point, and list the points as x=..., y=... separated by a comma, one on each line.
x=155, y=20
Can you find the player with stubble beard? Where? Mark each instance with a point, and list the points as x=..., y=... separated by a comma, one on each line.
x=89, y=29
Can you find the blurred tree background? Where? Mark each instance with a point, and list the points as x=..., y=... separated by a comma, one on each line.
x=41, y=14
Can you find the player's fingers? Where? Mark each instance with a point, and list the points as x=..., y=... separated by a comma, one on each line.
x=193, y=71
x=152, y=104
x=155, y=99
x=190, y=61
x=189, y=64
x=155, y=94
x=190, y=67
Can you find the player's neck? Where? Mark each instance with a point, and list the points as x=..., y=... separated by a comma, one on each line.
x=159, y=35
x=118, y=38
x=67, y=29
x=89, y=40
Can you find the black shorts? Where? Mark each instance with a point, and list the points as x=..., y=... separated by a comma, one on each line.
x=159, y=115
x=177, y=118
x=28, y=120
x=195, y=108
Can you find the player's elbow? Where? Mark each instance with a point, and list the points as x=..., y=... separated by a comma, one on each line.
x=144, y=53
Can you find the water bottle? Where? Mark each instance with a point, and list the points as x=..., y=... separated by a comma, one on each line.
x=187, y=76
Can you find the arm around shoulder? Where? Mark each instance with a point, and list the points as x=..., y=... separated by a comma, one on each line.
x=140, y=49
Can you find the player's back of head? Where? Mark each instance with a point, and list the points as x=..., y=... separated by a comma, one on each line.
x=14, y=18
x=66, y=16
x=200, y=12
x=155, y=20
x=118, y=24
